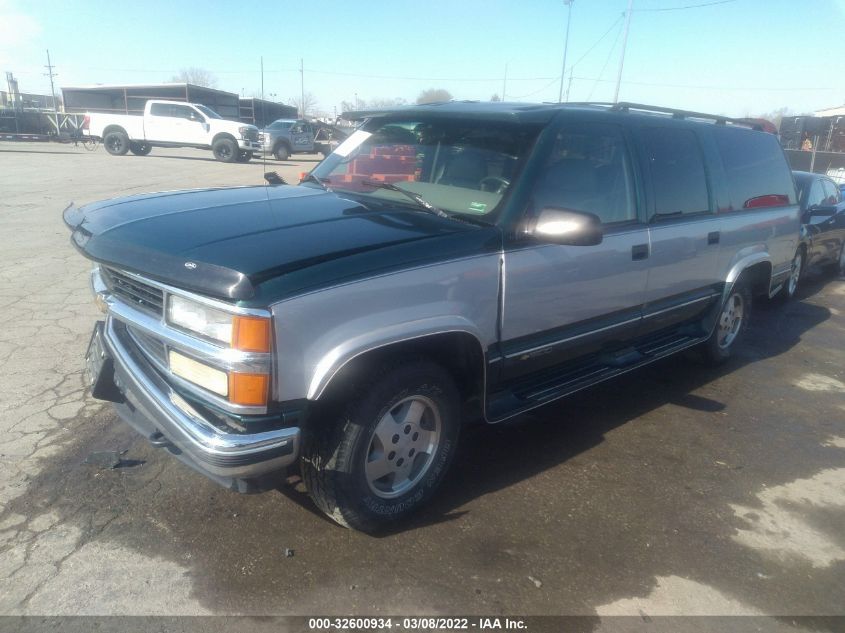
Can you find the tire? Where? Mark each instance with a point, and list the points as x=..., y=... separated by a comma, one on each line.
x=790, y=286
x=405, y=423
x=838, y=267
x=730, y=325
x=244, y=157
x=140, y=149
x=225, y=150
x=841, y=266
x=281, y=152
x=116, y=143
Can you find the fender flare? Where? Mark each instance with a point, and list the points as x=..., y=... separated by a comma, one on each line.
x=336, y=358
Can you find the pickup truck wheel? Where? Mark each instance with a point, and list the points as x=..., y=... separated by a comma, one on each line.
x=116, y=143
x=225, y=150
x=140, y=149
x=383, y=457
x=730, y=325
x=244, y=157
x=281, y=152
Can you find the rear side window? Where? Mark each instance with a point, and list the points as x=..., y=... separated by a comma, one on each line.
x=160, y=109
x=756, y=170
x=677, y=171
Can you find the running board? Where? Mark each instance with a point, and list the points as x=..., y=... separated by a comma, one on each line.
x=530, y=394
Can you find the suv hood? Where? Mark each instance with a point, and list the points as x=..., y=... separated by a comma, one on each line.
x=227, y=242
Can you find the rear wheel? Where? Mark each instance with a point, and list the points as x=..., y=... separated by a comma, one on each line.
x=730, y=325
x=140, y=149
x=225, y=150
x=281, y=152
x=383, y=457
x=116, y=143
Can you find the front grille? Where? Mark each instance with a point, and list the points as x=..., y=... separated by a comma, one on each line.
x=251, y=135
x=134, y=292
x=155, y=349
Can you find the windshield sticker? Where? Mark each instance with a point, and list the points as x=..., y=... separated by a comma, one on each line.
x=352, y=143
x=478, y=207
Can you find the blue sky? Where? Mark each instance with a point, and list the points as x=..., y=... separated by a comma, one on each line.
x=738, y=57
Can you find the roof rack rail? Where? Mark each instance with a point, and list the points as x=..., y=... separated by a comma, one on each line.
x=625, y=106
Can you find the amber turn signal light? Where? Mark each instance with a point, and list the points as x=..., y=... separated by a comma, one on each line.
x=248, y=389
x=251, y=334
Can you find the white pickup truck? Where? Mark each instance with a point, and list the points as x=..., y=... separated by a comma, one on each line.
x=174, y=124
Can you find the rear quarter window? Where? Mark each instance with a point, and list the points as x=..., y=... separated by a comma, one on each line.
x=678, y=176
x=755, y=168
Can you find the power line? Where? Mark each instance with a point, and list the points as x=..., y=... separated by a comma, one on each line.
x=597, y=42
x=606, y=61
x=689, y=6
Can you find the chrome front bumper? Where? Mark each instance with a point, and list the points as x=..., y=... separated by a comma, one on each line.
x=156, y=411
x=250, y=146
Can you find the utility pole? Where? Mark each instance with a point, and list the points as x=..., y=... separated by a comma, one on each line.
x=565, y=48
x=624, y=45
x=263, y=119
x=505, y=84
x=51, y=74
x=302, y=86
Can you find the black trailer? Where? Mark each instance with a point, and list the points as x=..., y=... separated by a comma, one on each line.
x=131, y=99
x=261, y=113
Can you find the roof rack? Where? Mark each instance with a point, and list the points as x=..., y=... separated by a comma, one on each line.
x=624, y=106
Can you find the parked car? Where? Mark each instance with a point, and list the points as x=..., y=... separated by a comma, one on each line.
x=447, y=263
x=822, y=220
x=285, y=137
x=173, y=124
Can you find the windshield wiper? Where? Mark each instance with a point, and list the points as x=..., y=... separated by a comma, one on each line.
x=421, y=202
x=309, y=177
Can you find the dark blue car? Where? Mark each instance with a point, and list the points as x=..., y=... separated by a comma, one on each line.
x=822, y=220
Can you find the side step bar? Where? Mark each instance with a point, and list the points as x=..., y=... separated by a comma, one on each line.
x=530, y=394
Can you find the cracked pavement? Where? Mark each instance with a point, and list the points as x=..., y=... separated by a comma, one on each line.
x=674, y=490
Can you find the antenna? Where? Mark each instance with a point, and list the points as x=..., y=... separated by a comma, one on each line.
x=263, y=119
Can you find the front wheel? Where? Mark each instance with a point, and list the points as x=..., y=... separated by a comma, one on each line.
x=225, y=150
x=244, y=157
x=382, y=459
x=281, y=152
x=730, y=325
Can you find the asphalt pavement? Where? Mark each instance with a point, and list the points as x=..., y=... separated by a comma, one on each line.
x=675, y=490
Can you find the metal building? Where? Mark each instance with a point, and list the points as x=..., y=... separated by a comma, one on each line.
x=130, y=99
x=261, y=112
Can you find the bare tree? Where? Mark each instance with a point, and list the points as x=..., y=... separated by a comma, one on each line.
x=495, y=97
x=385, y=103
x=434, y=95
x=306, y=108
x=196, y=76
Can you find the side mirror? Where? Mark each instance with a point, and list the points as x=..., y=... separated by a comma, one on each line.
x=820, y=212
x=567, y=227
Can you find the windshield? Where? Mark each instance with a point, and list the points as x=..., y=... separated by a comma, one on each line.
x=280, y=125
x=211, y=114
x=461, y=166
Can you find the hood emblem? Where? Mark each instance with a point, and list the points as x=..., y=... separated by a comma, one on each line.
x=190, y=265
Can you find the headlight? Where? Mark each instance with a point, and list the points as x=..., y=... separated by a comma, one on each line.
x=244, y=130
x=245, y=333
x=204, y=320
